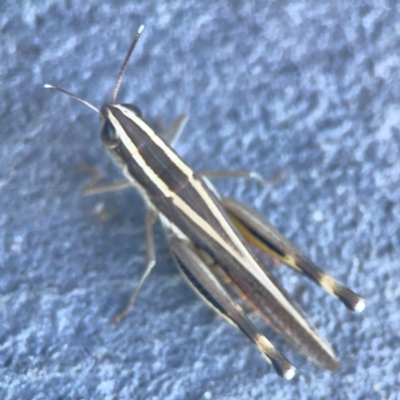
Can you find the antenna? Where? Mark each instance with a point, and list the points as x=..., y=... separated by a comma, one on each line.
x=125, y=63
x=73, y=96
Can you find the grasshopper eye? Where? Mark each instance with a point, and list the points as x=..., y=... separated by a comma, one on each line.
x=133, y=108
x=109, y=135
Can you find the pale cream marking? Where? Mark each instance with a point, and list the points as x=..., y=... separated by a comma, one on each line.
x=156, y=139
x=263, y=344
x=245, y=258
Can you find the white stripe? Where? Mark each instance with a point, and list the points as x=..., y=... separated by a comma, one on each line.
x=156, y=139
x=240, y=252
x=188, y=172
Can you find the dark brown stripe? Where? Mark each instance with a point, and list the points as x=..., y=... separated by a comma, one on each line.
x=155, y=157
x=206, y=239
x=280, y=252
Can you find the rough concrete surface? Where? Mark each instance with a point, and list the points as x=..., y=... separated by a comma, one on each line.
x=308, y=88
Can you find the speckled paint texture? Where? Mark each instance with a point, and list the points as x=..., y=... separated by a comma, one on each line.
x=307, y=88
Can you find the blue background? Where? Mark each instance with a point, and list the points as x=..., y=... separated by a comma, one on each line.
x=311, y=89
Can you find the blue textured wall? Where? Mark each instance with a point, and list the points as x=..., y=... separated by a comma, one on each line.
x=308, y=88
